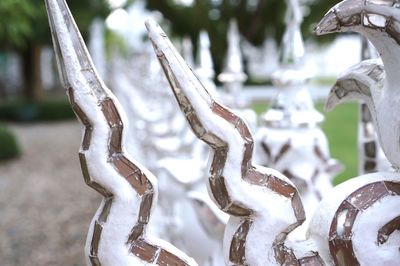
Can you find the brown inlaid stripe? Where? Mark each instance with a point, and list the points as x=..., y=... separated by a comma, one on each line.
x=218, y=162
x=365, y=114
x=284, y=149
x=187, y=108
x=82, y=117
x=392, y=29
x=315, y=175
x=237, y=251
x=370, y=149
x=369, y=166
x=145, y=207
x=196, y=125
x=221, y=196
x=298, y=209
x=88, y=180
x=340, y=235
x=136, y=232
x=155, y=255
x=144, y=251
x=111, y=113
x=217, y=183
x=349, y=21
x=132, y=174
x=137, y=179
x=314, y=178
x=393, y=187
x=281, y=187
x=285, y=256
x=166, y=258
x=318, y=152
x=256, y=178
x=388, y=229
x=238, y=209
x=142, y=185
x=223, y=112
x=106, y=210
x=274, y=183
x=247, y=155
x=311, y=261
x=266, y=148
x=116, y=140
x=340, y=241
x=300, y=183
x=368, y=195
x=94, y=247
x=94, y=260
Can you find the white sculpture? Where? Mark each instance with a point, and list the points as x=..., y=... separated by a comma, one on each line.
x=233, y=75
x=355, y=224
x=263, y=61
x=117, y=234
x=97, y=46
x=356, y=83
x=233, y=78
x=161, y=139
x=370, y=155
x=205, y=66
x=187, y=51
x=290, y=139
x=376, y=22
x=213, y=222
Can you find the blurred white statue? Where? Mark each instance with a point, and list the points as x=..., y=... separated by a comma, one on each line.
x=290, y=139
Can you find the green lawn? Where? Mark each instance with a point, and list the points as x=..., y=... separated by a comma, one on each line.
x=340, y=126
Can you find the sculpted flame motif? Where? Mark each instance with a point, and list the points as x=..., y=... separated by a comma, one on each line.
x=117, y=234
x=264, y=206
x=356, y=224
x=235, y=184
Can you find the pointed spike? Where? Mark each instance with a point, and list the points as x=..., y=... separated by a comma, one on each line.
x=72, y=56
x=184, y=83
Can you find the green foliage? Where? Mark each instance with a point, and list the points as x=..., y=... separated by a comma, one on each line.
x=25, y=111
x=341, y=129
x=15, y=23
x=23, y=22
x=256, y=20
x=8, y=144
x=114, y=41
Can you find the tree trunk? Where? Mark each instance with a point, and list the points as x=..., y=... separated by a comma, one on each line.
x=33, y=87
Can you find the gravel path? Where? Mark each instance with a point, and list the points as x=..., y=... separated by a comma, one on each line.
x=45, y=206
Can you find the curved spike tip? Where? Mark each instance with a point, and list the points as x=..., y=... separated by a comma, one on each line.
x=328, y=24
x=187, y=88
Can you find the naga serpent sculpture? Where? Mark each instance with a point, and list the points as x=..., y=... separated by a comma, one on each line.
x=117, y=234
x=356, y=224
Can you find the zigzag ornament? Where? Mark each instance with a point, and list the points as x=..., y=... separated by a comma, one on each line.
x=117, y=234
x=355, y=224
